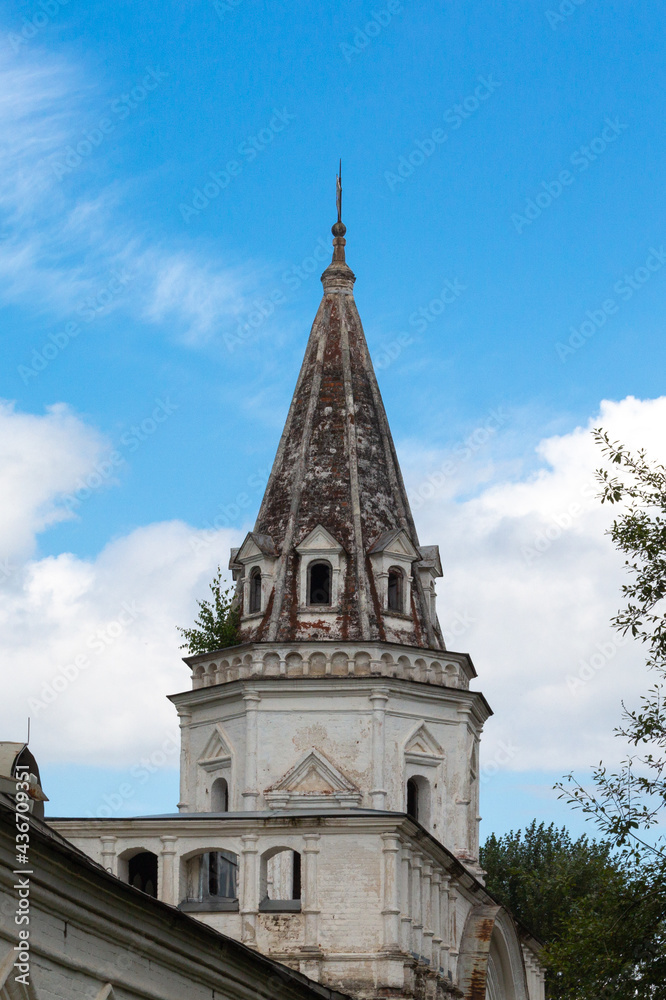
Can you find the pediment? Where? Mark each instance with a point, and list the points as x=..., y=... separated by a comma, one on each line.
x=395, y=542
x=255, y=546
x=217, y=752
x=313, y=773
x=422, y=744
x=319, y=540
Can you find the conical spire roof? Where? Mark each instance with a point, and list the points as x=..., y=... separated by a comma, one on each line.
x=336, y=469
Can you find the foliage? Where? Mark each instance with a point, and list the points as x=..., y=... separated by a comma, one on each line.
x=579, y=899
x=628, y=803
x=218, y=622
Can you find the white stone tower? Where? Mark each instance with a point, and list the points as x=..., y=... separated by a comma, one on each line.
x=328, y=810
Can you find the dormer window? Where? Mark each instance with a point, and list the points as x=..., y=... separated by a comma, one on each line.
x=395, y=600
x=319, y=583
x=255, y=590
x=321, y=571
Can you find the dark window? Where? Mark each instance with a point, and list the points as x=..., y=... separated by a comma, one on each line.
x=142, y=872
x=218, y=875
x=296, y=877
x=395, y=598
x=255, y=591
x=219, y=796
x=413, y=798
x=320, y=584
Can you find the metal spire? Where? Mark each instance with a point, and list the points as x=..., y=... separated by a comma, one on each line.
x=338, y=191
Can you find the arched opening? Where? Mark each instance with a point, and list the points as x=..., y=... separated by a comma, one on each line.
x=212, y=881
x=319, y=583
x=142, y=872
x=255, y=590
x=396, y=590
x=219, y=796
x=281, y=880
x=418, y=799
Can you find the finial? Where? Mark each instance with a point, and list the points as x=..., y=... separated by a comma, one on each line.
x=339, y=229
x=338, y=277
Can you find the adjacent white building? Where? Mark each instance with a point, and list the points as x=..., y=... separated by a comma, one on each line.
x=329, y=798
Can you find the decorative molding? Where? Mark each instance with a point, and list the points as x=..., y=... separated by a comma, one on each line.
x=314, y=780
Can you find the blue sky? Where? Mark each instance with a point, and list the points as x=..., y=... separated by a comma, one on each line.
x=505, y=150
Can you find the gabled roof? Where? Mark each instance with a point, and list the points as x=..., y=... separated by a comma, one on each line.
x=395, y=542
x=253, y=545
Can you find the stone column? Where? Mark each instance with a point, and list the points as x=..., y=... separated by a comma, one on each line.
x=310, y=900
x=109, y=860
x=445, y=924
x=391, y=908
x=426, y=909
x=249, y=888
x=417, y=917
x=406, y=898
x=167, y=872
x=379, y=699
x=436, y=910
x=462, y=835
x=184, y=719
x=250, y=792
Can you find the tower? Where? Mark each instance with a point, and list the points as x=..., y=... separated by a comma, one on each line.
x=328, y=811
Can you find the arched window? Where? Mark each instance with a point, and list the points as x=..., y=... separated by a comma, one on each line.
x=418, y=799
x=255, y=590
x=142, y=872
x=281, y=880
x=395, y=590
x=319, y=584
x=219, y=796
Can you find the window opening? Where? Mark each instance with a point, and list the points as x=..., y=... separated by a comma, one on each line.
x=320, y=584
x=255, y=590
x=142, y=872
x=395, y=588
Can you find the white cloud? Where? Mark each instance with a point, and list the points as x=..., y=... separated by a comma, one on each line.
x=43, y=459
x=62, y=237
x=91, y=644
x=528, y=617
x=530, y=583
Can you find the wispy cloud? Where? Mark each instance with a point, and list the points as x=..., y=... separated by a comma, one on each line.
x=60, y=241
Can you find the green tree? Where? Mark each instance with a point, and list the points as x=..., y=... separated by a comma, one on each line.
x=577, y=897
x=217, y=625
x=626, y=804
